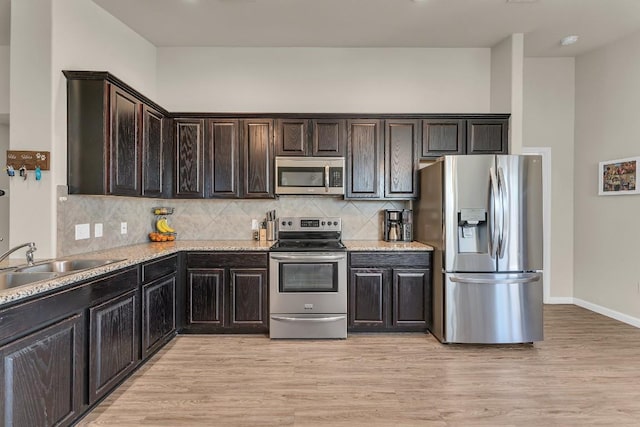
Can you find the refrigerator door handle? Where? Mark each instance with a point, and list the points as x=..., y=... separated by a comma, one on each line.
x=493, y=206
x=504, y=226
x=479, y=281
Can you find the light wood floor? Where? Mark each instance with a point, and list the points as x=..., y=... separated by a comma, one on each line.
x=585, y=372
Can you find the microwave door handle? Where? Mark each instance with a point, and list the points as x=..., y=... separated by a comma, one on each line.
x=326, y=178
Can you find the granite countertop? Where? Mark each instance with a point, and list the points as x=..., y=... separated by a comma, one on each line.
x=136, y=254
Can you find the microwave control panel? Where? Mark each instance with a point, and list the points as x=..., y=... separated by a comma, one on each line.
x=336, y=177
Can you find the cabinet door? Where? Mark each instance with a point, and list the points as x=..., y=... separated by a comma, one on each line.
x=114, y=343
x=189, y=159
x=42, y=376
x=329, y=137
x=401, y=161
x=368, y=298
x=442, y=136
x=410, y=288
x=292, y=137
x=205, y=296
x=125, y=151
x=364, y=159
x=258, y=158
x=158, y=313
x=223, y=146
x=152, y=152
x=248, y=299
x=487, y=136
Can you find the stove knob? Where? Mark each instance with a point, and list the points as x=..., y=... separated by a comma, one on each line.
x=284, y=223
x=323, y=223
x=290, y=223
x=335, y=222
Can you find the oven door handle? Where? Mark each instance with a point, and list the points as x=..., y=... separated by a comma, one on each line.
x=312, y=258
x=309, y=319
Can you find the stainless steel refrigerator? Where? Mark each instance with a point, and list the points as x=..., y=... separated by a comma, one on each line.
x=483, y=216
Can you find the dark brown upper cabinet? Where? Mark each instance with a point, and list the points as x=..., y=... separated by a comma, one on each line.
x=310, y=137
x=223, y=158
x=153, y=130
x=450, y=135
x=365, y=160
x=443, y=136
x=487, y=136
x=258, y=158
x=400, y=159
x=125, y=143
x=114, y=138
x=189, y=158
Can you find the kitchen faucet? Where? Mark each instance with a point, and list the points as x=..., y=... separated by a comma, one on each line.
x=30, y=251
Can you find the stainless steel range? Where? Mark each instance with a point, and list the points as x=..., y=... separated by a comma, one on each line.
x=308, y=279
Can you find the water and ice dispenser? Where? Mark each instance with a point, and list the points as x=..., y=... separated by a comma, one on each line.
x=472, y=230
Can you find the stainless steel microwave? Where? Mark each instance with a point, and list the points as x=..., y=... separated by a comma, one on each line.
x=310, y=175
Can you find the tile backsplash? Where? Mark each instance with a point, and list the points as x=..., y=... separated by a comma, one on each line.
x=202, y=219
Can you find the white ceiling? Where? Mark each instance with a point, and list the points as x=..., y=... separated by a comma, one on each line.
x=372, y=23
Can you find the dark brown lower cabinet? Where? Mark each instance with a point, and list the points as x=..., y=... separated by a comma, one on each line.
x=227, y=293
x=42, y=376
x=113, y=345
x=388, y=293
x=158, y=313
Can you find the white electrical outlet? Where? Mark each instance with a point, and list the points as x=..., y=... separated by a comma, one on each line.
x=97, y=230
x=83, y=231
x=123, y=228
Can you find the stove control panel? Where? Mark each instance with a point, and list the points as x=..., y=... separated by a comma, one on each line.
x=309, y=224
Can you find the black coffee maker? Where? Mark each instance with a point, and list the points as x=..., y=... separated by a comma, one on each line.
x=398, y=225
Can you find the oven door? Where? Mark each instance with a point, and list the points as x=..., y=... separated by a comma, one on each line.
x=308, y=282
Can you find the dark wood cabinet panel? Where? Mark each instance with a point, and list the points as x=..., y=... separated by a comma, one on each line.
x=114, y=343
x=152, y=152
x=291, y=137
x=401, y=161
x=42, y=376
x=205, y=296
x=189, y=158
x=258, y=159
x=443, y=136
x=125, y=153
x=487, y=136
x=329, y=137
x=364, y=159
x=158, y=313
x=387, y=297
x=249, y=304
x=368, y=298
x=223, y=145
x=409, y=297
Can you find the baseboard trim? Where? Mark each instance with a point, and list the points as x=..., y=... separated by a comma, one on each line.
x=625, y=318
x=559, y=300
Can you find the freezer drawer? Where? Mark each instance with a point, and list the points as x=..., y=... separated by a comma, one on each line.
x=493, y=308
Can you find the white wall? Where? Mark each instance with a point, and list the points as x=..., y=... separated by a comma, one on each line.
x=607, y=270
x=507, y=86
x=4, y=185
x=548, y=118
x=324, y=80
x=31, y=210
x=4, y=79
x=47, y=37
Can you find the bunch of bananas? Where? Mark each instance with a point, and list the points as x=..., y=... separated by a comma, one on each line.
x=163, y=226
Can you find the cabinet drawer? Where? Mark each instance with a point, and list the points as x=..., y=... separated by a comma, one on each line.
x=390, y=259
x=158, y=268
x=227, y=259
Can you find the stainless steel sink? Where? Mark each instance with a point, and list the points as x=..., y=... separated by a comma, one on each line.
x=13, y=279
x=66, y=266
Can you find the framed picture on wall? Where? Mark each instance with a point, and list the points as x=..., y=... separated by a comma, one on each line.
x=617, y=177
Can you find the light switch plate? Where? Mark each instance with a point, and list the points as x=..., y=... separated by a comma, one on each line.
x=123, y=228
x=97, y=230
x=83, y=231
